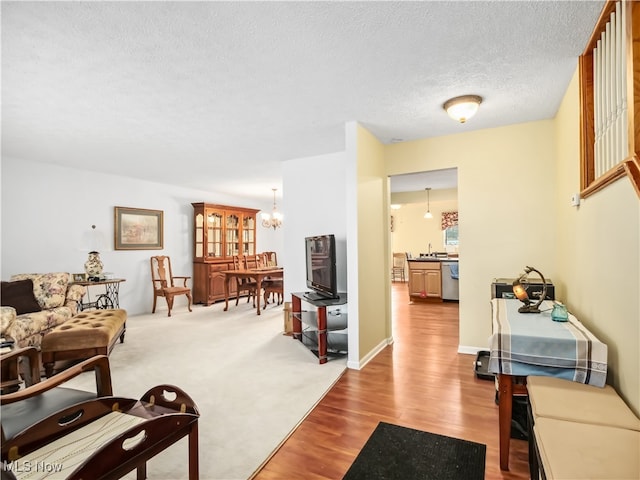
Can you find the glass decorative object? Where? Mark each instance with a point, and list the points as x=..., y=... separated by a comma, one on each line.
x=559, y=313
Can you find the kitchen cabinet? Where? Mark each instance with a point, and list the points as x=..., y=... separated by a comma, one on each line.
x=425, y=280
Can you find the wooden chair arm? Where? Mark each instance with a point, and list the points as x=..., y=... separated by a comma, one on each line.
x=184, y=279
x=32, y=374
x=100, y=365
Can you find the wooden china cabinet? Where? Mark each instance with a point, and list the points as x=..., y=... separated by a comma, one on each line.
x=220, y=232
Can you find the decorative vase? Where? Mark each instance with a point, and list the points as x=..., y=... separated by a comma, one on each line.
x=559, y=313
x=93, y=266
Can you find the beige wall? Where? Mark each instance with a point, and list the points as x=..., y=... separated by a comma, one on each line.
x=505, y=208
x=373, y=270
x=598, y=252
x=514, y=189
x=412, y=232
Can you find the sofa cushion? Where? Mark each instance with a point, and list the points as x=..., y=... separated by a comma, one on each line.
x=50, y=289
x=19, y=295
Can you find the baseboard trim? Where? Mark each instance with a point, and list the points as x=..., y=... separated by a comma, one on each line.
x=468, y=350
x=358, y=365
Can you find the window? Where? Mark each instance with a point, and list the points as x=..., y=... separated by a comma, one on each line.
x=609, y=94
x=450, y=235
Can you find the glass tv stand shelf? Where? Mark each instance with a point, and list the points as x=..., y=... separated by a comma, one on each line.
x=320, y=323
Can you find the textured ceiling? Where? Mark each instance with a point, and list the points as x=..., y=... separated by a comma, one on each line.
x=216, y=95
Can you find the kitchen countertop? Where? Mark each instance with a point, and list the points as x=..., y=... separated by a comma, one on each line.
x=433, y=259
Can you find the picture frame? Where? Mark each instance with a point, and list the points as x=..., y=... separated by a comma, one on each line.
x=138, y=229
x=79, y=277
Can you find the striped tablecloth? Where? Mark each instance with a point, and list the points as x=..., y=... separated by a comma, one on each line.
x=525, y=344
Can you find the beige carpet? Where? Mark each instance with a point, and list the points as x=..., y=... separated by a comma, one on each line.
x=252, y=384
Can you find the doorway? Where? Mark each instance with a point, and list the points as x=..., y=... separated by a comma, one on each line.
x=415, y=235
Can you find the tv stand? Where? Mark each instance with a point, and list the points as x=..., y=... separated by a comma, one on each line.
x=313, y=327
x=316, y=297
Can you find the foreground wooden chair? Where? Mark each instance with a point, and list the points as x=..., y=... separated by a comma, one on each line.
x=39, y=399
x=93, y=435
x=163, y=283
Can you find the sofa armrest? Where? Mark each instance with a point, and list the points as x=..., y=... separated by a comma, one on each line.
x=7, y=317
x=74, y=295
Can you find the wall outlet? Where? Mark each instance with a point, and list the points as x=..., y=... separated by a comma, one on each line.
x=575, y=200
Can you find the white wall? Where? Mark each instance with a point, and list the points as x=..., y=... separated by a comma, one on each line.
x=315, y=193
x=314, y=197
x=47, y=213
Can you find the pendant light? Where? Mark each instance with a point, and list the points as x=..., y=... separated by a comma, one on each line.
x=428, y=214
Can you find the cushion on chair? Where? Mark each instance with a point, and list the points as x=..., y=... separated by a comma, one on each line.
x=20, y=415
x=19, y=295
x=566, y=400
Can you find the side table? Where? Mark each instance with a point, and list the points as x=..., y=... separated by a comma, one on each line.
x=109, y=299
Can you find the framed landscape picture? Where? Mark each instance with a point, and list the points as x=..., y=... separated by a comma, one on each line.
x=138, y=229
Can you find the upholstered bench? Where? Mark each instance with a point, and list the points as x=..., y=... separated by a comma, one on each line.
x=574, y=450
x=567, y=419
x=87, y=334
x=576, y=402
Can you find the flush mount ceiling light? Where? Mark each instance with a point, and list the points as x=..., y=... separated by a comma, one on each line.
x=462, y=108
x=428, y=214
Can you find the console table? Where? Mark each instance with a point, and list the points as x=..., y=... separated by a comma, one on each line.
x=109, y=299
x=524, y=344
x=319, y=321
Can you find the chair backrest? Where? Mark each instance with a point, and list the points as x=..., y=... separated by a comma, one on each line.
x=261, y=260
x=250, y=262
x=398, y=260
x=161, y=272
x=236, y=263
x=271, y=260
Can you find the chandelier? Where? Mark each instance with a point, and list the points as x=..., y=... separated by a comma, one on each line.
x=275, y=219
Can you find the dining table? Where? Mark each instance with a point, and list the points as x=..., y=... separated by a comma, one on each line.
x=258, y=274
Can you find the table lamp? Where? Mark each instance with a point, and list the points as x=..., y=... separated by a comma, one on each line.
x=520, y=286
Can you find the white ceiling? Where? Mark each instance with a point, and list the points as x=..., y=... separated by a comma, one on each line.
x=216, y=95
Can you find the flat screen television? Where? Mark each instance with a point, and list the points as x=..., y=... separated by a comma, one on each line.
x=321, y=265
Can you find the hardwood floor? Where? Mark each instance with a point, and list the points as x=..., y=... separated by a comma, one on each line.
x=420, y=382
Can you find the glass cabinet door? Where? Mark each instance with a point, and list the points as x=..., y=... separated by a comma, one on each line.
x=214, y=234
x=199, y=236
x=233, y=235
x=248, y=235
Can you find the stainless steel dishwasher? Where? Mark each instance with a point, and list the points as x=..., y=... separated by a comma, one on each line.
x=449, y=283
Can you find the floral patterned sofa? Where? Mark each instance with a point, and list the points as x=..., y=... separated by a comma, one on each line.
x=55, y=302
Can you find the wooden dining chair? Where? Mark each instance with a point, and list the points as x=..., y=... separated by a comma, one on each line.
x=247, y=285
x=272, y=287
x=271, y=259
x=398, y=267
x=275, y=288
x=164, y=283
